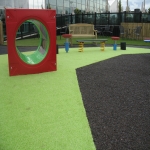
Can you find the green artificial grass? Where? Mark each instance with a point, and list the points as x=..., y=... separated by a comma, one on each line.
x=28, y=42
x=35, y=41
x=45, y=111
x=110, y=41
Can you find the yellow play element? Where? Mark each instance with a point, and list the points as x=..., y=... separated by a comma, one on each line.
x=102, y=45
x=81, y=45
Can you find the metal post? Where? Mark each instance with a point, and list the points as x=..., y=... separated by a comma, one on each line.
x=125, y=17
x=82, y=17
x=140, y=17
x=108, y=14
x=95, y=19
x=71, y=18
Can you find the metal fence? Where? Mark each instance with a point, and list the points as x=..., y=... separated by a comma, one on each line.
x=103, y=18
x=97, y=19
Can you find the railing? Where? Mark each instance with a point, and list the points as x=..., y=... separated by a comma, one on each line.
x=98, y=19
x=103, y=18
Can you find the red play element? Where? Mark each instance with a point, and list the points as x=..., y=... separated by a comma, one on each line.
x=14, y=18
x=146, y=38
x=67, y=35
x=115, y=38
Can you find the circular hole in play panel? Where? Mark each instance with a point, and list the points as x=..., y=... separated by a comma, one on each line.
x=32, y=41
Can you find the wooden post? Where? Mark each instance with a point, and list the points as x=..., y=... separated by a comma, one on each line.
x=1, y=33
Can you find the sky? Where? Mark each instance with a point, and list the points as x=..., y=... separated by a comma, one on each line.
x=133, y=4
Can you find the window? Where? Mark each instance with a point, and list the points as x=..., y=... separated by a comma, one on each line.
x=66, y=3
x=59, y=10
x=79, y=6
x=53, y=6
x=66, y=9
x=59, y=2
x=51, y=2
x=91, y=9
x=83, y=1
x=83, y=8
x=73, y=5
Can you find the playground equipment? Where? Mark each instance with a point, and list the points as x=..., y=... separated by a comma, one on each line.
x=81, y=46
x=115, y=38
x=43, y=59
x=123, y=45
x=147, y=39
x=81, y=43
x=67, y=36
x=102, y=44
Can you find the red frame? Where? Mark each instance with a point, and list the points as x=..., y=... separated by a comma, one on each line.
x=14, y=18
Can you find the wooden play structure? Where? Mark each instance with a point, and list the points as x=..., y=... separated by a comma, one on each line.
x=1, y=33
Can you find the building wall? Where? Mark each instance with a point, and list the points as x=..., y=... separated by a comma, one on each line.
x=14, y=4
x=37, y=4
x=61, y=6
x=68, y=6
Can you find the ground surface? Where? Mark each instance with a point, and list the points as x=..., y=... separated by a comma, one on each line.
x=116, y=96
x=49, y=111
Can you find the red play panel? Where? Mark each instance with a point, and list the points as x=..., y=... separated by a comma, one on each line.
x=14, y=18
x=115, y=38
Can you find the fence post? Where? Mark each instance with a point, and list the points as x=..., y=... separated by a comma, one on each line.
x=1, y=33
x=140, y=16
x=108, y=14
x=120, y=17
x=95, y=19
x=124, y=16
x=71, y=18
x=61, y=20
x=76, y=18
x=29, y=27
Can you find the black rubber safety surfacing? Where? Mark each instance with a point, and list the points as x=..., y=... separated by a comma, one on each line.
x=116, y=97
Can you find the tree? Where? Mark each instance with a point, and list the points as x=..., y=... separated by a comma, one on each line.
x=149, y=10
x=119, y=6
x=77, y=11
x=48, y=6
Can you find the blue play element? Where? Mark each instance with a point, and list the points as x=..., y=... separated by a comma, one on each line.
x=115, y=47
x=146, y=40
x=67, y=46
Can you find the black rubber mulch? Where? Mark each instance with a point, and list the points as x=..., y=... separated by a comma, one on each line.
x=116, y=97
